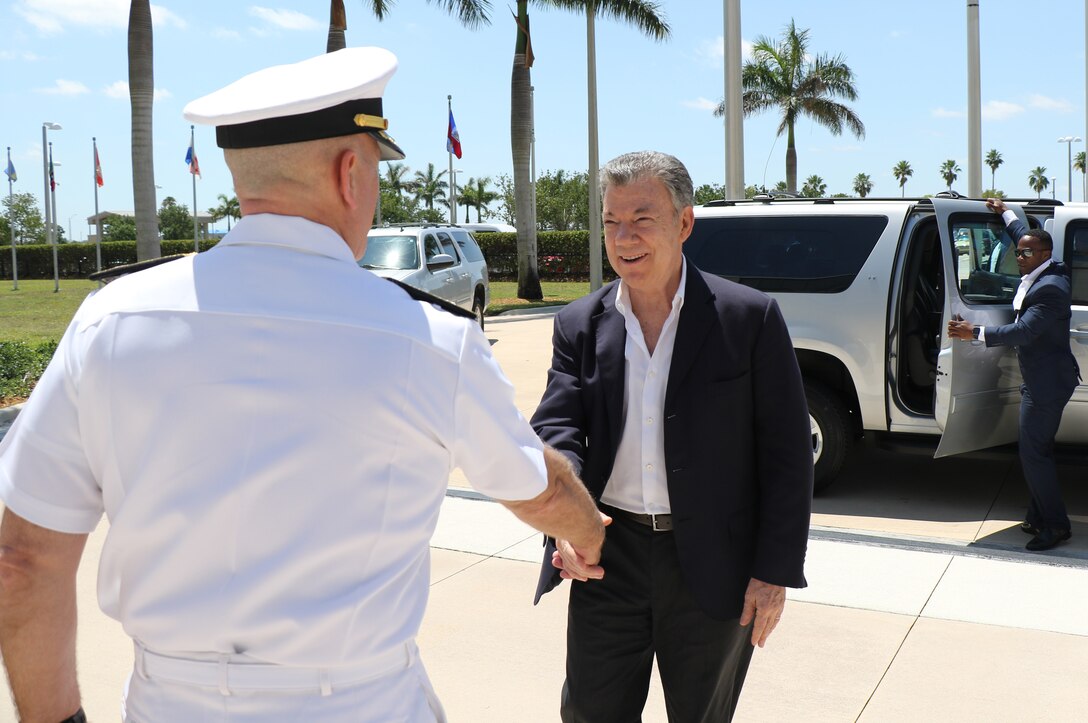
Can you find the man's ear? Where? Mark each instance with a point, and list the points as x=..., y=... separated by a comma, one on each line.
x=346, y=164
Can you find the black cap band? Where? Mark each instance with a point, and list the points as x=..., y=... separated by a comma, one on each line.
x=315, y=125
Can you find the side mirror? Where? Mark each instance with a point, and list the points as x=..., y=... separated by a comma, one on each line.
x=439, y=262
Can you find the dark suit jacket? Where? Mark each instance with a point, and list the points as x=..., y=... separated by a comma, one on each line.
x=1041, y=332
x=738, y=445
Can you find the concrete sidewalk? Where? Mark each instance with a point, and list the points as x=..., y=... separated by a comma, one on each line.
x=921, y=605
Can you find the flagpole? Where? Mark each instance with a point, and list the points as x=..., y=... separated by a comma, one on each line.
x=192, y=144
x=11, y=228
x=53, y=222
x=98, y=234
x=453, y=201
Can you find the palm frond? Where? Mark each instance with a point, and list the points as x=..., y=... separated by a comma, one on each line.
x=380, y=8
x=647, y=16
x=471, y=13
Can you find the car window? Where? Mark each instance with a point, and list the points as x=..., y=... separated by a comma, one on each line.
x=1076, y=254
x=469, y=248
x=448, y=247
x=986, y=269
x=809, y=254
x=430, y=244
x=390, y=252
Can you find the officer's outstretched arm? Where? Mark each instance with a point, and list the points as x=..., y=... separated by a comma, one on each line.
x=564, y=510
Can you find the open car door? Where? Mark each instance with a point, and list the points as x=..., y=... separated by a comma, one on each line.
x=1070, y=231
x=978, y=388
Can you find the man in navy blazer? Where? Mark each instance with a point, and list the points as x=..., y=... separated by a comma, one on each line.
x=678, y=399
x=1040, y=334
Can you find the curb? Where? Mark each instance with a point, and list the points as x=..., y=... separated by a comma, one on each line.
x=8, y=414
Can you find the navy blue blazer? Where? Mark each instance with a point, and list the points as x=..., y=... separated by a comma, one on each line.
x=738, y=448
x=1041, y=332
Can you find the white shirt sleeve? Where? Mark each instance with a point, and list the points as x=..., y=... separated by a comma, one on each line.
x=494, y=445
x=45, y=477
x=1008, y=217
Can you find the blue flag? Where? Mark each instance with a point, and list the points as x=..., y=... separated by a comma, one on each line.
x=10, y=171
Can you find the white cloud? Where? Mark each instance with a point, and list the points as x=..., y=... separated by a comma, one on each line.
x=996, y=110
x=119, y=90
x=1044, y=103
x=65, y=87
x=286, y=19
x=225, y=34
x=701, y=103
x=847, y=149
x=19, y=55
x=712, y=52
x=945, y=113
x=52, y=16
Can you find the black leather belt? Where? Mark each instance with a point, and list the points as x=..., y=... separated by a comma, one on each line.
x=658, y=523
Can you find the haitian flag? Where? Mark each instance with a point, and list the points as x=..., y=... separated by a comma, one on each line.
x=190, y=158
x=453, y=140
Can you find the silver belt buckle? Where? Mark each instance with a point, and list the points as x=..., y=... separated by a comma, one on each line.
x=653, y=524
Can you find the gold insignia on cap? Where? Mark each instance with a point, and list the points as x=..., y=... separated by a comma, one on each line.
x=371, y=121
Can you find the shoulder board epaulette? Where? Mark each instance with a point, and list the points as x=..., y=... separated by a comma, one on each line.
x=115, y=272
x=431, y=299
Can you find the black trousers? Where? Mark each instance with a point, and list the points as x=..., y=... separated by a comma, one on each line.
x=1039, y=421
x=642, y=607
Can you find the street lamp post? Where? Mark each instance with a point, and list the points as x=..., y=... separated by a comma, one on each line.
x=46, y=127
x=1054, y=187
x=1069, y=141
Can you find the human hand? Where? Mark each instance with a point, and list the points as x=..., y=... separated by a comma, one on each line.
x=960, y=329
x=996, y=205
x=763, y=603
x=576, y=562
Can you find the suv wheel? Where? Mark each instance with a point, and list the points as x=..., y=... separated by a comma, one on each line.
x=831, y=437
x=478, y=310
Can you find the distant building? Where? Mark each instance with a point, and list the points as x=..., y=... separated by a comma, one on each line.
x=203, y=221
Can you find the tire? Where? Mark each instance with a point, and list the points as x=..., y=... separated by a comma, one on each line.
x=831, y=434
x=478, y=310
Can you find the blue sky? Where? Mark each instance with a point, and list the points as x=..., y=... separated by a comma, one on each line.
x=65, y=61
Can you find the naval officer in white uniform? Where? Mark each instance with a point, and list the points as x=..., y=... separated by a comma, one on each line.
x=269, y=430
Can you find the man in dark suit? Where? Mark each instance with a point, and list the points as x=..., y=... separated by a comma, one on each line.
x=678, y=399
x=1040, y=334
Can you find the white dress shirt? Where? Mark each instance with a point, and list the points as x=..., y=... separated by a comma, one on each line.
x=270, y=430
x=638, y=482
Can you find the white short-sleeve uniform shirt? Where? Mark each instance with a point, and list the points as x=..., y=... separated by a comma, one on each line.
x=269, y=429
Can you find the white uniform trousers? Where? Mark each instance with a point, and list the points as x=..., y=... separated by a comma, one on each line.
x=164, y=689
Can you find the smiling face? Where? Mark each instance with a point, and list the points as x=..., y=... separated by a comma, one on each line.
x=1039, y=254
x=644, y=236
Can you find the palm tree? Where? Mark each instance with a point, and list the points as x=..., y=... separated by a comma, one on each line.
x=1038, y=180
x=814, y=187
x=429, y=187
x=1080, y=165
x=394, y=178
x=482, y=195
x=783, y=75
x=471, y=13
x=141, y=91
x=902, y=171
x=950, y=172
x=863, y=184
x=643, y=14
x=994, y=161
x=227, y=208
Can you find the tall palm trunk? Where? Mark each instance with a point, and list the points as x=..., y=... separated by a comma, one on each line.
x=141, y=88
x=338, y=23
x=521, y=129
x=791, y=160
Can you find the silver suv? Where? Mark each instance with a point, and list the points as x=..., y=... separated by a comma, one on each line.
x=867, y=288
x=444, y=261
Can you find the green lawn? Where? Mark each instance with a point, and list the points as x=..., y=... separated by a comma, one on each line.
x=35, y=313
x=504, y=295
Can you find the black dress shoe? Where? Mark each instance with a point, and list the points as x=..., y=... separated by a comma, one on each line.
x=1029, y=529
x=1048, y=538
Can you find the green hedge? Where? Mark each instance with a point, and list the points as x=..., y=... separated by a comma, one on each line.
x=77, y=260
x=21, y=365
x=561, y=255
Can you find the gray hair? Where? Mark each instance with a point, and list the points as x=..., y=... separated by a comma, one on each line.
x=640, y=165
